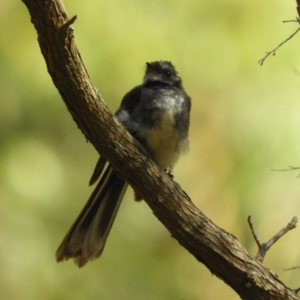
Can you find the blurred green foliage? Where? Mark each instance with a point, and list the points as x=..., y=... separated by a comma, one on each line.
x=244, y=122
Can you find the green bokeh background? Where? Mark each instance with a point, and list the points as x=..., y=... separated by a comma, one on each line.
x=244, y=122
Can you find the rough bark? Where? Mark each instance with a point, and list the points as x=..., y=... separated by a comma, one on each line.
x=218, y=250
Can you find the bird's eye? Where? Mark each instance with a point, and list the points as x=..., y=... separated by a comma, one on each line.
x=168, y=73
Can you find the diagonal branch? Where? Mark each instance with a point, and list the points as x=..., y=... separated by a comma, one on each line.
x=221, y=253
x=273, y=52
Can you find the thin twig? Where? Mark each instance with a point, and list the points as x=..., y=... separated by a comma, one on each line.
x=255, y=235
x=292, y=268
x=264, y=247
x=291, y=168
x=273, y=52
x=291, y=21
x=70, y=21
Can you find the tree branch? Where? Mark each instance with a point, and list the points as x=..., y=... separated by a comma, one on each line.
x=273, y=52
x=221, y=253
x=264, y=247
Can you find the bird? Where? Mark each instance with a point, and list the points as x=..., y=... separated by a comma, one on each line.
x=157, y=114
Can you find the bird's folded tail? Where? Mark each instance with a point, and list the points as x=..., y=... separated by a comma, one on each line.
x=86, y=238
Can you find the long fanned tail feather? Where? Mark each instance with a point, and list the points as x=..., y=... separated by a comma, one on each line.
x=86, y=238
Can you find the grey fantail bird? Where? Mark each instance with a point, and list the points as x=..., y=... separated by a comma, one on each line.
x=157, y=114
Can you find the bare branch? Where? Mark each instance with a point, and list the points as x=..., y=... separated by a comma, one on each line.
x=291, y=168
x=291, y=36
x=273, y=52
x=292, y=268
x=264, y=247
